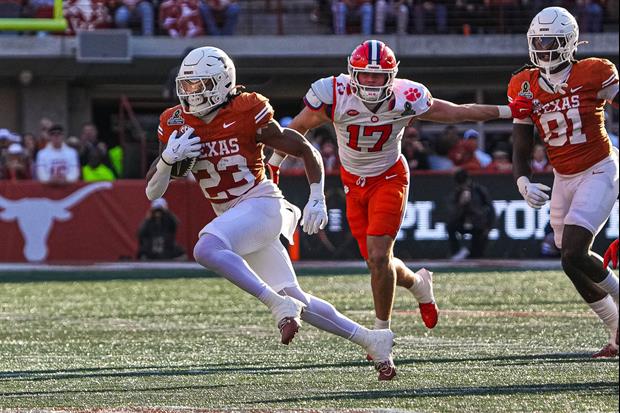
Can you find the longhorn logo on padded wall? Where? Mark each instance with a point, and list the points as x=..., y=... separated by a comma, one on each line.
x=35, y=217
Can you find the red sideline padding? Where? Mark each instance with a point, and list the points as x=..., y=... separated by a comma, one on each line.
x=88, y=222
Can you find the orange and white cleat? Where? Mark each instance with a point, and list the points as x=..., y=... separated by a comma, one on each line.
x=426, y=298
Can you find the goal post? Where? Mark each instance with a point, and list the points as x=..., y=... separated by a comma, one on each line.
x=55, y=24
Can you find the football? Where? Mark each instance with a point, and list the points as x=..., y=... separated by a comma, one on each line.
x=181, y=169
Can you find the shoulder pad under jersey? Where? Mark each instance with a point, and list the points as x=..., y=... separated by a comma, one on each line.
x=414, y=97
x=321, y=92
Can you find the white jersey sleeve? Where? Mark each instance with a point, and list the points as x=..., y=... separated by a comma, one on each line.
x=320, y=93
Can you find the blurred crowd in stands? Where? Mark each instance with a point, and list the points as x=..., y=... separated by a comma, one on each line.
x=52, y=157
x=190, y=18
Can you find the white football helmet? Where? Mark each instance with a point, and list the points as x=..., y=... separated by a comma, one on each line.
x=205, y=80
x=552, y=38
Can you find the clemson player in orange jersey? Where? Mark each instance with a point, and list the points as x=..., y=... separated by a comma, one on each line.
x=569, y=97
x=222, y=130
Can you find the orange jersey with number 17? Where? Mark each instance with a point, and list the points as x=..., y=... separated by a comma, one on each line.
x=572, y=125
x=231, y=160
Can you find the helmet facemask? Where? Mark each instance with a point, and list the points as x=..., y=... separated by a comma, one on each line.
x=550, y=52
x=372, y=94
x=199, y=94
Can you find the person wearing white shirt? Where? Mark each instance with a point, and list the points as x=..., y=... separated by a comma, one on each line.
x=57, y=163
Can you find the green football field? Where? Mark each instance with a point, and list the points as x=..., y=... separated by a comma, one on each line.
x=506, y=341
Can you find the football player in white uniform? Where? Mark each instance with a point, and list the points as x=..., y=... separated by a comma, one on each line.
x=370, y=108
x=570, y=98
x=225, y=130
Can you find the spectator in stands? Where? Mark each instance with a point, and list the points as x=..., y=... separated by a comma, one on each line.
x=157, y=234
x=501, y=160
x=44, y=125
x=17, y=165
x=342, y=9
x=75, y=12
x=89, y=139
x=220, y=16
x=181, y=18
x=471, y=212
x=57, y=163
x=473, y=137
x=414, y=150
x=95, y=170
x=439, y=160
x=100, y=17
x=423, y=11
x=396, y=9
x=29, y=143
x=140, y=12
x=463, y=154
x=540, y=163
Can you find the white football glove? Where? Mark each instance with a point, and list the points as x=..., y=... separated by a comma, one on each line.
x=315, y=211
x=533, y=193
x=182, y=147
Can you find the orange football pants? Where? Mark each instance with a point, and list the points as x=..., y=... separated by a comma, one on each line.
x=376, y=205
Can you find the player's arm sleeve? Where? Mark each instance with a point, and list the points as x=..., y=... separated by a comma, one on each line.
x=513, y=93
x=607, y=81
x=158, y=176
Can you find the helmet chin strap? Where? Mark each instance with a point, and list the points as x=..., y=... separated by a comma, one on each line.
x=557, y=80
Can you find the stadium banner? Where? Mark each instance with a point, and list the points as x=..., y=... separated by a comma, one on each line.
x=98, y=222
x=88, y=222
x=518, y=230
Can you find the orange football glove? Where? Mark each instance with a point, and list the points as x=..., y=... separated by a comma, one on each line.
x=611, y=255
x=521, y=107
x=274, y=173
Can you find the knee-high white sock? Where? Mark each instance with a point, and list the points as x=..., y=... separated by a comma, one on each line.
x=610, y=285
x=323, y=315
x=607, y=311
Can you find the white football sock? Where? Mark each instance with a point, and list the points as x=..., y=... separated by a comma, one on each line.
x=382, y=324
x=420, y=290
x=610, y=285
x=607, y=311
x=323, y=315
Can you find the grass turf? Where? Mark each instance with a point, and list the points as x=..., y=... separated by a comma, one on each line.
x=506, y=341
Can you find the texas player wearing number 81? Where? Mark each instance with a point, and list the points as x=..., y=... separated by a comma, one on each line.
x=225, y=129
x=570, y=96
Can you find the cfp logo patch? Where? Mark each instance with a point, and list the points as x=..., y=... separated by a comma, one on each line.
x=526, y=90
x=176, y=118
x=408, y=110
